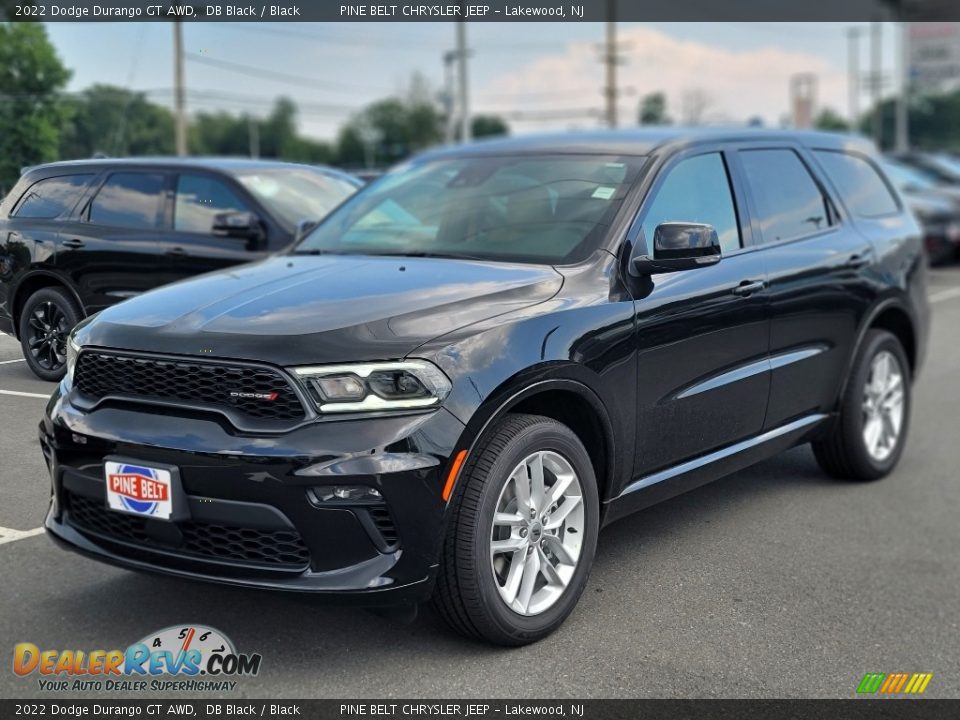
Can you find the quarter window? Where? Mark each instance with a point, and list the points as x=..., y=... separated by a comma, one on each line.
x=131, y=200
x=859, y=183
x=199, y=199
x=789, y=202
x=696, y=189
x=51, y=197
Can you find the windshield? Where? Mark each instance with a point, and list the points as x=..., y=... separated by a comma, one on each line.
x=907, y=178
x=297, y=193
x=538, y=209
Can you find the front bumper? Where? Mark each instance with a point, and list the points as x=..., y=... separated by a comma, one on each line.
x=254, y=518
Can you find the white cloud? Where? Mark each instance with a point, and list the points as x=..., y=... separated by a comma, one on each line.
x=740, y=84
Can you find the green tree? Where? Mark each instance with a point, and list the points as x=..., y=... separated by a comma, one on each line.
x=32, y=113
x=391, y=129
x=830, y=120
x=488, y=126
x=117, y=122
x=653, y=110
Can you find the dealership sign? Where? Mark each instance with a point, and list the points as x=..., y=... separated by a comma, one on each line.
x=933, y=56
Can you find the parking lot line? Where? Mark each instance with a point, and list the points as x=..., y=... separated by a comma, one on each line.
x=948, y=294
x=17, y=393
x=10, y=535
x=7, y=362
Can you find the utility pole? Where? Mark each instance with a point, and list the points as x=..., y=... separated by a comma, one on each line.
x=449, y=97
x=902, y=135
x=464, y=90
x=610, y=64
x=853, y=74
x=876, y=78
x=253, y=132
x=178, y=96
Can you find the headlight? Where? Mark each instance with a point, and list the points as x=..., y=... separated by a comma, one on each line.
x=368, y=387
x=73, y=349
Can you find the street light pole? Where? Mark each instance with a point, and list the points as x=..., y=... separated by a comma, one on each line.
x=902, y=138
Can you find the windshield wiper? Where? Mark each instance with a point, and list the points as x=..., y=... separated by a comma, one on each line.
x=425, y=254
x=310, y=251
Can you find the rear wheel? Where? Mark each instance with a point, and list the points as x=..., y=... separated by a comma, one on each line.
x=522, y=533
x=47, y=319
x=867, y=438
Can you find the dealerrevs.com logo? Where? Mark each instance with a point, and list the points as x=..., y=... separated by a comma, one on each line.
x=181, y=657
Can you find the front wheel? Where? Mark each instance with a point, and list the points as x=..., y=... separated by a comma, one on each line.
x=867, y=439
x=522, y=533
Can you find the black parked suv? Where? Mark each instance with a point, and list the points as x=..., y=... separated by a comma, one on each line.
x=78, y=236
x=474, y=364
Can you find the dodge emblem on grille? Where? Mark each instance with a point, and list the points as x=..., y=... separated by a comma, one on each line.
x=254, y=395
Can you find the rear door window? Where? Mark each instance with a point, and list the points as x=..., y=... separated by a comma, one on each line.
x=51, y=197
x=789, y=203
x=862, y=188
x=129, y=200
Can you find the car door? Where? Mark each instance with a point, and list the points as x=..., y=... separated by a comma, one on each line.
x=117, y=244
x=702, y=334
x=818, y=294
x=197, y=199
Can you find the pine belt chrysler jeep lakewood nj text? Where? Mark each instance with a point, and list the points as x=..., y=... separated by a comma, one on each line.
x=468, y=368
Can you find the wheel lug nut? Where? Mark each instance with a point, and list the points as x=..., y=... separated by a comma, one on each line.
x=523, y=532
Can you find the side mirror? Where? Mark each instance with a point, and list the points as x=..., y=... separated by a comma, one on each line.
x=238, y=224
x=304, y=227
x=680, y=246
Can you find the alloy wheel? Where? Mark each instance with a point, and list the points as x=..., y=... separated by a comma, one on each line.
x=537, y=534
x=48, y=330
x=883, y=406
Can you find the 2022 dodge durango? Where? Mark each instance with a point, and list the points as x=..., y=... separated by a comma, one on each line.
x=449, y=386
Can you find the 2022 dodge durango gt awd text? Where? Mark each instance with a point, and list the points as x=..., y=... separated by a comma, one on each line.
x=450, y=385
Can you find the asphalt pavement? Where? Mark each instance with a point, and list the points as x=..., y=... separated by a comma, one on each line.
x=773, y=582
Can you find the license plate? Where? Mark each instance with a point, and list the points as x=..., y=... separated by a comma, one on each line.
x=139, y=489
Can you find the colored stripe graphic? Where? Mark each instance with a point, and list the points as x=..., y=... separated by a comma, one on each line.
x=894, y=683
x=870, y=683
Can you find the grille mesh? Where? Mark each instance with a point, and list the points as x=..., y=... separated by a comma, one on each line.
x=99, y=374
x=280, y=548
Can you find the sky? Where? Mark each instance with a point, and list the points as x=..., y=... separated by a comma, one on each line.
x=541, y=76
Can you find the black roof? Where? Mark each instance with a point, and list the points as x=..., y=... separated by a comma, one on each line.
x=644, y=141
x=223, y=164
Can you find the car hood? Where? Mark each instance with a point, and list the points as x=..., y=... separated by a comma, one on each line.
x=293, y=310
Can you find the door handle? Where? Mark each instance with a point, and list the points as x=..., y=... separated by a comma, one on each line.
x=176, y=252
x=749, y=287
x=73, y=244
x=858, y=260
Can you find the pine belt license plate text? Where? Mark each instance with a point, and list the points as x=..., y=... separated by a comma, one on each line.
x=139, y=490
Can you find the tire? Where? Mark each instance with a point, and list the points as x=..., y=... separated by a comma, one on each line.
x=845, y=453
x=48, y=317
x=468, y=595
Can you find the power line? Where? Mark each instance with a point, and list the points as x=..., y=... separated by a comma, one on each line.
x=251, y=71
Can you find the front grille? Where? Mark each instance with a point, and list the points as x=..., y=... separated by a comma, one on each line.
x=254, y=392
x=282, y=548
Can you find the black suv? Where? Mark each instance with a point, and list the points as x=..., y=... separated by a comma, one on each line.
x=78, y=236
x=475, y=363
